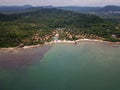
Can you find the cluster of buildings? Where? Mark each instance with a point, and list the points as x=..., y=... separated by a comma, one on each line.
x=55, y=35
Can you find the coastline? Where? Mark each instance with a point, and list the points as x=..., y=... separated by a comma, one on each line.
x=60, y=41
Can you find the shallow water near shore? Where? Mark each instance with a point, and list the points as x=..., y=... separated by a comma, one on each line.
x=82, y=66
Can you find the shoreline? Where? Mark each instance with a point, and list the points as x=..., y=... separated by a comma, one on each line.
x=60, y=41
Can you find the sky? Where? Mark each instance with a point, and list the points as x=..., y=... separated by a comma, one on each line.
x=59, y=2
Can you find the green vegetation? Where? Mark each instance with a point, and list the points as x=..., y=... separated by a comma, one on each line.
x=36, y=27
x=112, y=39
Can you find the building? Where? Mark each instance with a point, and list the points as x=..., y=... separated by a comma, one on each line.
x=56, y=37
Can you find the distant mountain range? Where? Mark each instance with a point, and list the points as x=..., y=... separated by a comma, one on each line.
x=106, y=9
x=110, y=11
x=14, y=9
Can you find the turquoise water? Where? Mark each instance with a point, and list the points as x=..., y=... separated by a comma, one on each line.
x=85, y=66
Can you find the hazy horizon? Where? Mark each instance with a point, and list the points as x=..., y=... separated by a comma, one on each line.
x=82, y=3
x=55, y=6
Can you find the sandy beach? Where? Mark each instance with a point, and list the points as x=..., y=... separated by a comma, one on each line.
x=60, y=41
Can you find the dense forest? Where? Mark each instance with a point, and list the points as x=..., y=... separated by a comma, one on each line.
x=15, y=28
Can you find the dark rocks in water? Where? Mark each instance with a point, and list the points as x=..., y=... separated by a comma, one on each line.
x=21, y=45
x=75, y=42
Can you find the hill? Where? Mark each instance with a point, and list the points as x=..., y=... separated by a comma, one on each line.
x=19, y=27
x=14, y=9
x=106, y=9
x=110, y=12
x=110, y=9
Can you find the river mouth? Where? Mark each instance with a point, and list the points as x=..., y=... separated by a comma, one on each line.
x=82, y=66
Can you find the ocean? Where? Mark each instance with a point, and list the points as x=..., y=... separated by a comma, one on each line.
x=81, y=66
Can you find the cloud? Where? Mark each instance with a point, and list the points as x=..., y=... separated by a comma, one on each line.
x=61, y=2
